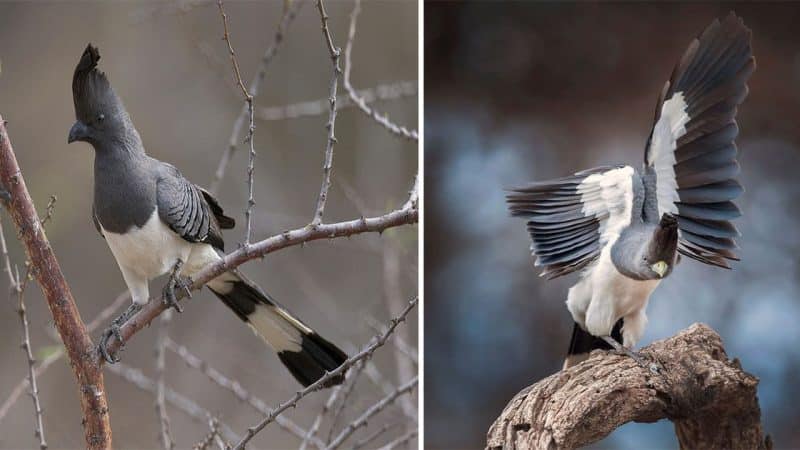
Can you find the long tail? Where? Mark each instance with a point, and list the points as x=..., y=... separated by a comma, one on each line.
x=305, y=353
x=582, y=343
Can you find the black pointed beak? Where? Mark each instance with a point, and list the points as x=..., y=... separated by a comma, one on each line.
x=78, y=132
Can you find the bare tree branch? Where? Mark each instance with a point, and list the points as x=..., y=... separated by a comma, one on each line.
x=318, y=420
x=101, y=319
x=401, y=440
x=255, y=84
x=327, y=165
x=248, y=98
x=374, y=409
x=360, y=101
x=381, y=92
x=80, y=348
x=161, y=407
x=15, y=289
x=708, y=397
x=372, y=437
x=364, y=354
x=235, y=388
x=184, y=404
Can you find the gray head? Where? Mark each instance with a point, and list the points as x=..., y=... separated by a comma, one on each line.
x=648, y=253
x=101, y=119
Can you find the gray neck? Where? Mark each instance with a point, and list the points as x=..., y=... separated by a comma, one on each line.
x=629, y=249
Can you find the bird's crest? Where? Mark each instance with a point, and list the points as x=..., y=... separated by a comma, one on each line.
x=91, y=91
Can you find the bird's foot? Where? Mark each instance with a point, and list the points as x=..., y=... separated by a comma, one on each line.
x=176, y=281
x=114, y=330
x=622, y=350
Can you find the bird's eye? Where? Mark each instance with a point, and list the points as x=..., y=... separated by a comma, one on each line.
x=101, y=117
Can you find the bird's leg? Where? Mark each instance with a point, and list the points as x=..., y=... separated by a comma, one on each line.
x=622, y=350
x=176, y=281
x=114, y=330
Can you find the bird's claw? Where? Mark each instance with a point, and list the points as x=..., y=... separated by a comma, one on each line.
x=176, y=282
x=624, y=351
x=115, y=330
x=102, y=347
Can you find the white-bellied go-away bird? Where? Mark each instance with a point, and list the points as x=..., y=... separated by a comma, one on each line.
x=623, y=229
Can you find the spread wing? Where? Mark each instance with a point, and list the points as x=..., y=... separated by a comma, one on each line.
x=691, y=150
x=189, y=210
x=572, y=219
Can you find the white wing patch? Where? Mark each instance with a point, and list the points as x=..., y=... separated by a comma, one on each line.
x=661, y=153
x=609, y=196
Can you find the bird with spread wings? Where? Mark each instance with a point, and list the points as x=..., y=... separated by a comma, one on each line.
x=623, y=229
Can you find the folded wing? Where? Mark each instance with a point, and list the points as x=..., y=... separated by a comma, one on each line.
x=691, y=151
x=572, y=219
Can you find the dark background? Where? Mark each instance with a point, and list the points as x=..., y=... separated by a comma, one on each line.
x=170, y=66
x=516, y=92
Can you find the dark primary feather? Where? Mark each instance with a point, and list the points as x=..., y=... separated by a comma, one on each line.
x=712, y=76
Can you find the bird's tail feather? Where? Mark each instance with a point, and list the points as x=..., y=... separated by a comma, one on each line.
x=306, y=354
x=582, y=343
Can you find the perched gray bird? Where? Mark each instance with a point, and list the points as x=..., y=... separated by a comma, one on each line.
x=157, y=222
x=623, y=229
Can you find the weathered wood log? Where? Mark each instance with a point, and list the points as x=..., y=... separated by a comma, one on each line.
x=709, y=398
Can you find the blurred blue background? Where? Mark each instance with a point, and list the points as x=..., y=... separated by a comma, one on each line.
x=516, y=92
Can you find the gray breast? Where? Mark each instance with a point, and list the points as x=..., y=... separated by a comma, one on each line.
x=124, y=192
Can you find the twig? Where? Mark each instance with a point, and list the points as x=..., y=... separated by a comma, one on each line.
x=213, y=436
x=255, y=83
x=235, y=388
x=248, y=98
x=184, y=404
x=401, y=440
x=382, y=92
x=327, y=166
x=406, y=215
x=352, y=379
x=318, y=420
x=79, y=346
x=371, y=411
x=15, y=288
x=364, y=354
x=373, y=436
x=360, y=101
x=161, y=408
x=101, y=319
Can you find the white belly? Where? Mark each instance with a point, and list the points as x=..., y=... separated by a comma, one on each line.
x=149, y=251
x=604, y=295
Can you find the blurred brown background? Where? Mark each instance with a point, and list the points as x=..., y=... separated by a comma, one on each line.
x=169, y=64
x=516, y=92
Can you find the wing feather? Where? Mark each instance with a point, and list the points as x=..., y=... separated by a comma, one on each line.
x=570, y=220
x=691, y=150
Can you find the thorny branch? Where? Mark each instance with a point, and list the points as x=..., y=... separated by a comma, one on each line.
x=255, y=85
x=354, y=96
x=46, y=363
x=161, y=407
x=374, y=409
x=235, y=388
x=327, y=166
x=16, y=289
x=70, y=326
x=248, y=98
x=184, y=404
x=363, y=354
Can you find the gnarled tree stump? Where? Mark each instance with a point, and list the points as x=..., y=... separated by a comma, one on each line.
x=708, y=397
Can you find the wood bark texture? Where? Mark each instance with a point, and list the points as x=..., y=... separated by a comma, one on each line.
x=709, y=398
x=81, y=350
